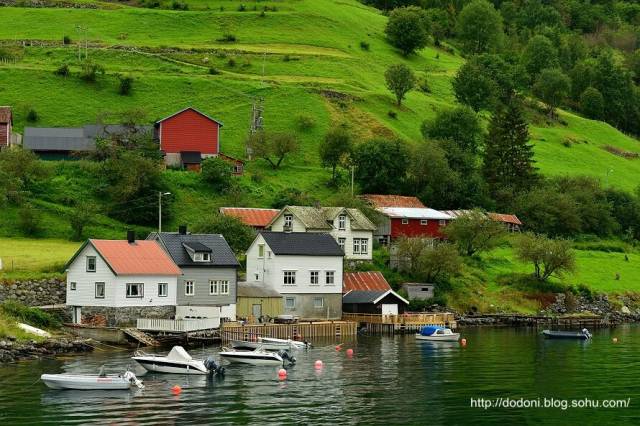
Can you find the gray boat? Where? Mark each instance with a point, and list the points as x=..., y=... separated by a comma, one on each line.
x=581, y=335
x=99, y=381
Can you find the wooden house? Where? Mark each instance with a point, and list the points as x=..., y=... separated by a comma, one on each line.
x=258, y=303
x=370, y=293
x=6, y=123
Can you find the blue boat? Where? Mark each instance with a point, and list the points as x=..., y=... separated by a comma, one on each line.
x=437, y=334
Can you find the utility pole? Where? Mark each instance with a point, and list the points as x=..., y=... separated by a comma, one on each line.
x=256, y=120
x=160, y=194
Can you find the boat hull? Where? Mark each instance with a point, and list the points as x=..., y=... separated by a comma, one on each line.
x=275, y=346
x=564, y=335
x=249, y=358
x=161, y=365
x=295, y=344
x=453, y=337
x=69, y=381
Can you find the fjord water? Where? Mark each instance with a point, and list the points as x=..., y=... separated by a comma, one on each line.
x=389, y=380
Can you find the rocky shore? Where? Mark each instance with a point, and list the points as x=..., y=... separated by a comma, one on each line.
x=11, y=350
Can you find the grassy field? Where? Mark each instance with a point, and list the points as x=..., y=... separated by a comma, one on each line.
x=32, y=257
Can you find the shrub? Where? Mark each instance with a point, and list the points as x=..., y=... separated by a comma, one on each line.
x=238, y=235
x=178, y=5
x=423, y=85
x=231, y=62
x=125, y=85
x=257, y=176
x=292, y=197
x=305, y=122
x=28, y=220
x=242, y=8
x=63, y=70
x=228, y=38
x=364, y=45
x=392, y=114
x=286, y=58
x=66, y=40
x=214, y=71
x=32, y=115
x=90, y=71
x=217, y=173
x=32, y=316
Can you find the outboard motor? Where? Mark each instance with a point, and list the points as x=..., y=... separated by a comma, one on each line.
x=213, y=368
x=287, y=357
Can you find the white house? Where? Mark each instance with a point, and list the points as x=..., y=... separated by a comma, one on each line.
x=304, y=267
x=121, y=280
x=351, y=229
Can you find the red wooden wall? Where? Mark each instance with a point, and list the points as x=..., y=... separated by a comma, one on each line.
x=415, y=229
x=189, y=131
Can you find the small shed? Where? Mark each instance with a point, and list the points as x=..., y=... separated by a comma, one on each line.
x=419, y=291
x=374, y=302
x=257, y=300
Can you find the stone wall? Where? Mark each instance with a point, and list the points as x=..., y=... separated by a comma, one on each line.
x=123, y=317
x=34, y=292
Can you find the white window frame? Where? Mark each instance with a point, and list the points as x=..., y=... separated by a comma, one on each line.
x=140, y=294
x=95, y=264
x=260, y=251
x=290, y=276
x=342, y=222
x=328, y=274
x=72, y=286
x=293, y=302
x=342, y=242
x=288, y=220
x=314, y=277
x=163, y=289
x=424, y=222
x=321, y=299
x=442, y=222
x=189, y=284
x=405, y=221
x=104, y=289
x=214, y=287
x=356, y=246
x=224, y=286
x=201, y=257
x=364, y=246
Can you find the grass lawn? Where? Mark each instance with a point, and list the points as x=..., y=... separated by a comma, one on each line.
x=32, y=257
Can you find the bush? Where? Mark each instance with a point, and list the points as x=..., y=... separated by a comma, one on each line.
x=63, y=70
x=32, y=316
x=66, y=40
x=214, y=71
x=242, y=8
x=216, y=172
x=32, y=115
x=228, y=38
x=125, y=85
x=305, y=122
x=90, y=71
x=231, y=62
x=28, y=220
x=178, y=5
x=392, y=114
x=292, y=197
x=365, y=45
x=238, y=235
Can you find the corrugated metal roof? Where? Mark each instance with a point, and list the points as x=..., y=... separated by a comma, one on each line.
x=369, y=281
x=302, y=243
x=5, y=114
x=192, y=109
x=258, y=218
x=256, y=290
x=506, y=218
x=141, y=257
x=414, y=213
x=74, y=138
x=381, y=200
x=362, y=296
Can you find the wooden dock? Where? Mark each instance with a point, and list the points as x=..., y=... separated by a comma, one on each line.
x=301, y=330
x=402, y=323
x=141, y=337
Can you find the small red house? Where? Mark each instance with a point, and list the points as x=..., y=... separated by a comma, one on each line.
x=411, y=222
x=6, y=121
x=187, y=137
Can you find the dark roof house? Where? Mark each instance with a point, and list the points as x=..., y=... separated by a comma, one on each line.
x=302, y=244
x=369, y=292
x=182, y=247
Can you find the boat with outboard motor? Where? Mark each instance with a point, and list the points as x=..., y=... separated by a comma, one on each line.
x=270, y=344
x=581, y=335
x=437, y=334
x=177, y=361
x=100, y=381
x=257, y=356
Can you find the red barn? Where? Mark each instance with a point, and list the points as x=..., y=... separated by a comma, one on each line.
x=5, y=126
x=187, y=137
x=411, y=222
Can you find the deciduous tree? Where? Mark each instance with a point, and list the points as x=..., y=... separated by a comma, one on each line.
x=273, y=146
x=400, y=80
x=474, y=232
x=407, y=29
x=480, y=27
x=548, y=256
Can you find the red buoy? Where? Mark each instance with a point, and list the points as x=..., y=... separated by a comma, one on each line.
x=463, y=342
x=318, y=364
x=349, y=352
x=282, y=374
x=176, y=390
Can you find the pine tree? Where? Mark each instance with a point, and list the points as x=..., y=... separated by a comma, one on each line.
x=508, y=156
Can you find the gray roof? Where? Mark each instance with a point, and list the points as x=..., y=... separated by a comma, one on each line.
x=361, y=296
x=322, y=217
x=302, y=243
x=197, y=246
x=221, y=253
x=256, y=290
x=73, y=138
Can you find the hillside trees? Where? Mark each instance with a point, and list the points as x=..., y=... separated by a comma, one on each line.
x=475, y=232
x=552, y=87
x=400, y=80
x=381, y=165
x=238, y=235
x=407, y=29
x=20, y=172
x=474, y=88
x=539, y=54
x=548, y=256
x=479, y=27
x=335, y=149
x=427, y=260
x=217, y=173
x=273, y=146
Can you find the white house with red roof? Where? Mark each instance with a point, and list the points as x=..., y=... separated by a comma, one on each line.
x=121, y=280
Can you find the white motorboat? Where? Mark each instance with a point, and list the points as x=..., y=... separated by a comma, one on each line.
x=178, y=361
x=437, y=334
x=258, y=356
x=99, y=381
x=269, y=344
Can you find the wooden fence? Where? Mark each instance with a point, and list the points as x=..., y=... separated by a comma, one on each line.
x=305, y=330
x=177, y=326
x=445, y=318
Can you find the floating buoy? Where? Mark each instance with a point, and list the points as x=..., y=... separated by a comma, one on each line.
x=318, y=364
x=463, y=342
x=176, y=390
x=349, y=352
x=282, y=374
x=615, y=340
x=339, y=347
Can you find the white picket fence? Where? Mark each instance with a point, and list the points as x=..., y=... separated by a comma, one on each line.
x=179, y=325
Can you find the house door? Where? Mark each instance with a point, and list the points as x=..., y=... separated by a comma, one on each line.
x=389, y=309
x=256, y=311
x=77, y=315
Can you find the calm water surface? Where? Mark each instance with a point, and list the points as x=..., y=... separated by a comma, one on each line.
x=389, y=380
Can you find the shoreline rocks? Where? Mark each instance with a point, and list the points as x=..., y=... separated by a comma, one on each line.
x=11, y=351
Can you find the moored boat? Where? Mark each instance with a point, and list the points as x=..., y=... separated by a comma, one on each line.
x=92, y=381
x=177, y=361
x=258, y=356
x=558, y=334
x=270, y=344
x=437, y=334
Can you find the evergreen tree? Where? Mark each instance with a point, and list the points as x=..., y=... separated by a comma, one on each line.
x=508, y=156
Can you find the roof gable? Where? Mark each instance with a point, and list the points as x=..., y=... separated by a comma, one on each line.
x=323, y=217
x=173, y=243
x=366, y=281
x=302, y=244
x=383, y=200
x=189, y=109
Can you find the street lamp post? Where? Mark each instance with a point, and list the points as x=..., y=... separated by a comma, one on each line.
x=160, y=195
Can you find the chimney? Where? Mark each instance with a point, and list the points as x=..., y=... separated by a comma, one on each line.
x=182, y=229
x=131, y=236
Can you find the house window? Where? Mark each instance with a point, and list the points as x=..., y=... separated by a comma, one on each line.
x=260, y=250
x=330, y=277
x=72, y=286
x=342, y=242
x=257, y=277
x=99, y=290
x=356, y=246
x=289, y=278
x=290, y=302
x=188, y=288
x=202, y=257
x=163, y=289
x=213, y=287
x=315, y=278
x=424, y=222
x=288, y=221
x=91, y=263
x=135, y=290
x=224, y=286
x=360, y=246
x=405, y=221
x=342, y=221
x=318, y=302
x=442, y=222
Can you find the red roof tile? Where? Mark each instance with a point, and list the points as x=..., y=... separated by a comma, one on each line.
x=506, y=218
x=393, y=201
x=367, y=281
x=258, y=218
x=5, y=114
x=139, y=258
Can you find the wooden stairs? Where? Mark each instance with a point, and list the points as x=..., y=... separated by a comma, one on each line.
x=141, y=337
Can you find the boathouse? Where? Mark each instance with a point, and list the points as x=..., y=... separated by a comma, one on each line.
x=370, y=293
x=258, y=303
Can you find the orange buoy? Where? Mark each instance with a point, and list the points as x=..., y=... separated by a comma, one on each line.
x=463, y=342
x=349, y=353
x=176, y=390
x=318, y=364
